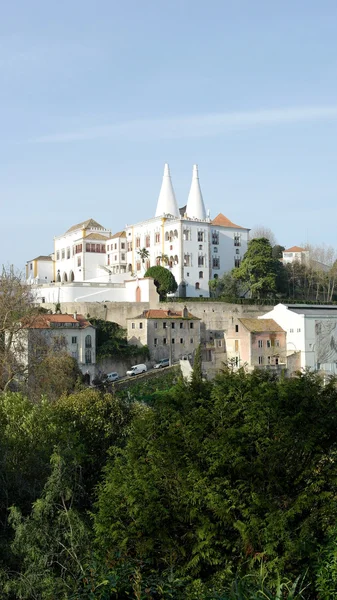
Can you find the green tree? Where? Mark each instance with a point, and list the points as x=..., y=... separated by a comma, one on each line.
x=53, y=542
x=210, y=482
x=278, y=251
x=163, y=279
x=259, y=270
x=226, y=287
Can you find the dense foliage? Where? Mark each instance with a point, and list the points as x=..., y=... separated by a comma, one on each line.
x=111, y=340
x=262, y=276
x=203, y=491
x=164, y=281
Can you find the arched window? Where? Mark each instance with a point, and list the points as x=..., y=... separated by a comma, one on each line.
x=88, y=341
x=130, y=268
x=88, y=356
x=216, y=276
x=171, y=236
x=138, y=294
x=71, y=276
x=175, y=233
x=176, y=260
x=147, y=265
x=167, y=237
x=58, y=278
x=201, y=274
x=171, y=262
x=197, y=286
x=64, y=277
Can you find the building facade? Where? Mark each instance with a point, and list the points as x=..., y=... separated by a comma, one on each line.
x=185, y=240
x=295, y=253
x=167, y=333
x=72, y=333
x=311, y=331
x=253, y=343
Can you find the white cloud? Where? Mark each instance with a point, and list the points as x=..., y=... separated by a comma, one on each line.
x=194, y=126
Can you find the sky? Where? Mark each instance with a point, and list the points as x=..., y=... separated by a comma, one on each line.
x=96, y=96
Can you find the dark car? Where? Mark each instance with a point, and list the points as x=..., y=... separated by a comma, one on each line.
x=162, y=363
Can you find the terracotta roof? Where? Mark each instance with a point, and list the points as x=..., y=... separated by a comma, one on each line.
x=295, y=249
x=46, y=321
x=222, y=221
x=119, y=234
x=41, y=258
x=160, y=313
x=261, y=325
x=89, y=224
x=96, y=236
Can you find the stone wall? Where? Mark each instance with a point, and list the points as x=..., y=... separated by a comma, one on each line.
x=121, y=366
x=215, y=316
x=116, y=312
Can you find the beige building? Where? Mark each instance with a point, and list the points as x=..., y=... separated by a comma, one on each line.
x=70, y=332
x=256, y=343
x=167, y=333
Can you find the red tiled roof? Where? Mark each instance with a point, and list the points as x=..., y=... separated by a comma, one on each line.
x=46, y=321
x=88, y=224
x=295, y=249
x=96, y=236
x=118, y=235
x=261, y=325
x=222, y=221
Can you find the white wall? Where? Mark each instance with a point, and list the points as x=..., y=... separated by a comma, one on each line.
x=96, y=292
x=299, y=333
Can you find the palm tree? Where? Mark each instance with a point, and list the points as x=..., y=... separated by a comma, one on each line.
x=143, y=255
x=163, y=258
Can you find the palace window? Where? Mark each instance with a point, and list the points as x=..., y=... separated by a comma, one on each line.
x=201, y=261
x=157, y=238
x=237, y=239
x=147, y=241
x=216, y=262
x=215, y=237
x=201, y=236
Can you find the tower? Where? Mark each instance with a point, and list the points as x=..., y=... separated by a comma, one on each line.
x=167, y=203
x=195, y=205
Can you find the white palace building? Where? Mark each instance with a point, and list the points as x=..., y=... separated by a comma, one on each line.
x=89, y=263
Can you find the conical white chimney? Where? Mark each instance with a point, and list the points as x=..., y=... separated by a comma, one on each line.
x=195, y=205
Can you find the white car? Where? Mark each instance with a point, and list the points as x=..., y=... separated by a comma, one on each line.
x=136, y=370
x=112, y=376
x=164, y=362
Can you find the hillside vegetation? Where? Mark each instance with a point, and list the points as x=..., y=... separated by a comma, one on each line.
x=222, y=490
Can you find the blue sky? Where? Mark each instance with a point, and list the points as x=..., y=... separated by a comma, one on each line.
x=96, y=97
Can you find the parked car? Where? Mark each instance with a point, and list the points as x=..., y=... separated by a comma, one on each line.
x=136, y=370
x=112, y=376
x=164, y=362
